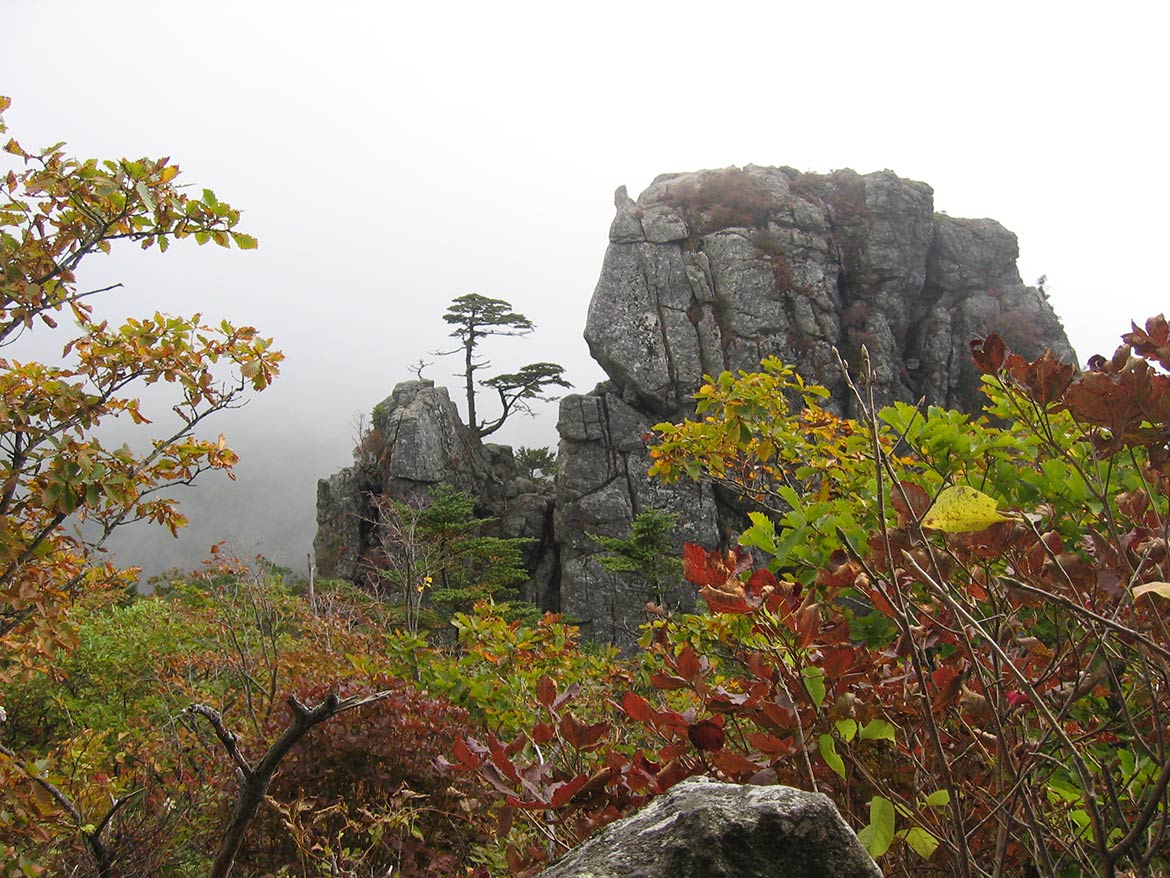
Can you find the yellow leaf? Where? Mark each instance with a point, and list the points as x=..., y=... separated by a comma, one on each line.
x=168, y=173
x=960, y=509
x=1158, y=588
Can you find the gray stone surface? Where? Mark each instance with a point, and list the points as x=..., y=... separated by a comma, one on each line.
x=772, y=262
x=776, y=262
x=602, y=483
x=711, y=830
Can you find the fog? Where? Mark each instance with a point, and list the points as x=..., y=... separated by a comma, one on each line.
x=392, y=158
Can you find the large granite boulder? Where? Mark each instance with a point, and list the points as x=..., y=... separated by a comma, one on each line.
x=715, y=270
x=416, y=440
x=719, y=830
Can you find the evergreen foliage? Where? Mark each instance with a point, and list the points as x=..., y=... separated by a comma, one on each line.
x=645, y=554
x=436, y=558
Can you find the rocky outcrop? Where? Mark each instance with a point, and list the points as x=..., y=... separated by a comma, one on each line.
x=706, y=272
x=415, y=441
x=713, y=829
x=715, y=270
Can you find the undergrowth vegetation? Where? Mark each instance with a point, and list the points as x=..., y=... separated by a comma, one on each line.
x=955, y=627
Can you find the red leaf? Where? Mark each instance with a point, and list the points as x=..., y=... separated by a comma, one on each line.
x=489, y=773
x=770, y=744
x=1098, y=398
x=688, y=664
x=468, y=760
x=722, y=701
x=725, y=602
x=637, y=708
x=1015, y=698
x=840, y=571
x=988, y=354
x=713, y=568
x=504, y=821
x=759, y=582
x=580, y=735
x=667, y=682
x=562, y=793
x=776, y=716
x=542, y=733
x=740, y=559
x=702, y=567
x=1047, y=378
x=1154, y=342
x=518, y=744
x=571, y=692
x=673, y=772
x=671, y=719
x=878, y=599
x=546, y=691
x=911, y=502
x=706, y=735
x=504, y=764
x=676, y=750
x=838, y=660
x=736, y=767
x=808, y=622
x=515, y=858
x=761, y=666
x=949, y=681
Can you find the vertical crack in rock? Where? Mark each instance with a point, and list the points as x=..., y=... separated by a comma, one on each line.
x=654, y=289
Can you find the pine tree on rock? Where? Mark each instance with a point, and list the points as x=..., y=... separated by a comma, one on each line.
x=476, y=317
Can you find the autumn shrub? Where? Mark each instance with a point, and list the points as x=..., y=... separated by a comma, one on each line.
x=366, y=792
x=496, y=668
x=55, y=211
x=108, y=722
x=729, y=198
x=948, y=625
x=435, y=555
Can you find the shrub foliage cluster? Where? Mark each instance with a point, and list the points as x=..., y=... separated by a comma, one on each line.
x=953, y=626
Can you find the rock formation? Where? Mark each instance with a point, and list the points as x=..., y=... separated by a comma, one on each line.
x=710, y=271
x=717, y=269
x=714, y=271
x=416, y=440
x=714, y=829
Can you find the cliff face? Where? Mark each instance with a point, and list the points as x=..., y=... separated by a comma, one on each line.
x=710, y=271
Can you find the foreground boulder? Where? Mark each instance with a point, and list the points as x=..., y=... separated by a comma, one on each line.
x=701, y=828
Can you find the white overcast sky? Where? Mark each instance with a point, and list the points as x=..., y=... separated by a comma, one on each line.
x=390, y=158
